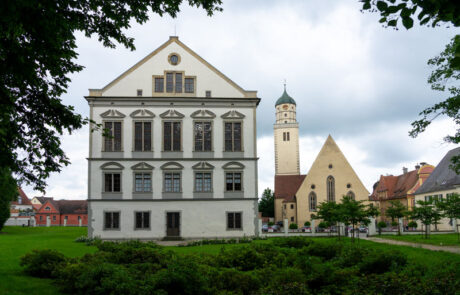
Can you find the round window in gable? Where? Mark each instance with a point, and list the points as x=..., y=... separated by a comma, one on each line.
x=313, y=186
x=348, y=185
x=330, y=166
x=174, y=59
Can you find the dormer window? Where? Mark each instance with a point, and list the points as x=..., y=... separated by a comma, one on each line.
x=47, y=208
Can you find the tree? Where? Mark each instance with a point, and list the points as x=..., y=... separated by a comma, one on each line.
x=395, y=211
x=354, y=212
x=329, y=213
x=446, y=74
x=267, y=203
x=9, y=190
x=450, y=207
x=412, y=224
x=425, y=212
x=37, y=57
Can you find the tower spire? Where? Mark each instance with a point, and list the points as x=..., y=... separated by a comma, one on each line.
x=284, y=84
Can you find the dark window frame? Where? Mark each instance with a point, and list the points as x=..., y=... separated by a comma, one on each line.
x=234, y=220
x=230, y=143
x=233, y=183
x=146, y=143
x=113, y=142
x=112, y=182
x=145, y=220
x=171, y=189
x=206, y=142
x=170, y=140
x=203, y=182
x=143, y=182
x=113, y=224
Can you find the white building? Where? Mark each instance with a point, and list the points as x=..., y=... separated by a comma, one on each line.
x=181, y=161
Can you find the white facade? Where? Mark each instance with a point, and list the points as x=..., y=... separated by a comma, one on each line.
x=211, y=99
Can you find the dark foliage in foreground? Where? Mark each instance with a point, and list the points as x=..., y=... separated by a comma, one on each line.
x=284, y=266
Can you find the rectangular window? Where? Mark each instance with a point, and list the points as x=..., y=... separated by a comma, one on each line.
x=169, y=82
x=112, y=182
x=54, y=217
x=159, y=84
x=232, y=136
x=171, y=136
x=112, y=220
x=189, y=85
x=142, y=136
x=112, y=142
x=143, y=182
x=203, y=182
x=139, y=92
x=292, y=206
x=233, y=181
x=203, y=136
x=284, y=136
x=172, y=182
x=178, y=83
x=142, y=220
x=234, y=220
x=287, y=136
x=208, y=93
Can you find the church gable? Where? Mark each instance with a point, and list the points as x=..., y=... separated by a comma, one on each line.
x=204, y=80
x=331, y=167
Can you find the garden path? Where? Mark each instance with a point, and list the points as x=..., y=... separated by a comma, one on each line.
x=451, y=249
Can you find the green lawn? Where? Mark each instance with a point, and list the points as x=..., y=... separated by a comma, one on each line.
x=438, y=240
x=17, y=241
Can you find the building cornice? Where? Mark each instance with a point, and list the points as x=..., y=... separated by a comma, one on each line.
x=151, y=99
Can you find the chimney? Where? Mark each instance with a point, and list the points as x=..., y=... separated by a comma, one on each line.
x=404, y=170
x=422, y=163
x=417, y=167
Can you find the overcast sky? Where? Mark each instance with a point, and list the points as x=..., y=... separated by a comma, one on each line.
x=351, y=78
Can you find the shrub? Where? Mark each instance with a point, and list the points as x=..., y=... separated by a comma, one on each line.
x=381, y=262
x=307, y=223
x=325, y=251
x=394, y=223
x=43, y=263
x=293, y=226
x=293, y=242
x=271, y=223
x=412, y=224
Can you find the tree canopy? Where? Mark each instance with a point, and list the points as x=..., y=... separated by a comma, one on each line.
x=37, y=57
x=267, y=203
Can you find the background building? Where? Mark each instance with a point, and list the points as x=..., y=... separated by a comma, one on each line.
x=181, y=161
x=400, y=188
x=441, y=183
x=62, y=213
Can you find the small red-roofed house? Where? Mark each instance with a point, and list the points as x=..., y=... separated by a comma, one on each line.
x=63, y=213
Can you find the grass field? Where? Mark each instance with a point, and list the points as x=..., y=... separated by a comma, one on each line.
x=17, y=241
x=438, y=240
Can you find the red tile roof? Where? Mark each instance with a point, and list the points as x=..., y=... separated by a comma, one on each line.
x=286, y=186
x=24, y=199
x=396, y=187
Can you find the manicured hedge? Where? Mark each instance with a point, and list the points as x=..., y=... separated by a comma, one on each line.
x=296, y=265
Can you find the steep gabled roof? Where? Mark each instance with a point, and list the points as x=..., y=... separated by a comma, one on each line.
x=286, y=186
x=24, y=199
x=442, y=178
x=43, y=199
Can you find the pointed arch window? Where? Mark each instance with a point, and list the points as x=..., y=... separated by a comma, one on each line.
x=330, y=184
x=312, y=201
x=351, y=195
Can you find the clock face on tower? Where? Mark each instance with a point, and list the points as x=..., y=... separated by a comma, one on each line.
x=285, y=107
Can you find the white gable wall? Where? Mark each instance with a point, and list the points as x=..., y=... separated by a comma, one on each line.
x=141, y=77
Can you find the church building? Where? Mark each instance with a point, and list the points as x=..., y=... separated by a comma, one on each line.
x=330, y=177
x=180, y=156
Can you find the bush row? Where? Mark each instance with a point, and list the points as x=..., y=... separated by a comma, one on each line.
x=296, y=265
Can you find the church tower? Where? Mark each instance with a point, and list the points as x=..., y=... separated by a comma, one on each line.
x=286, y=131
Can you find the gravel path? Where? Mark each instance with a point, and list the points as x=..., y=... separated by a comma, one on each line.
x=451, y=249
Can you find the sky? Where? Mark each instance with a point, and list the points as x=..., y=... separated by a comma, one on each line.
x=351, y=78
